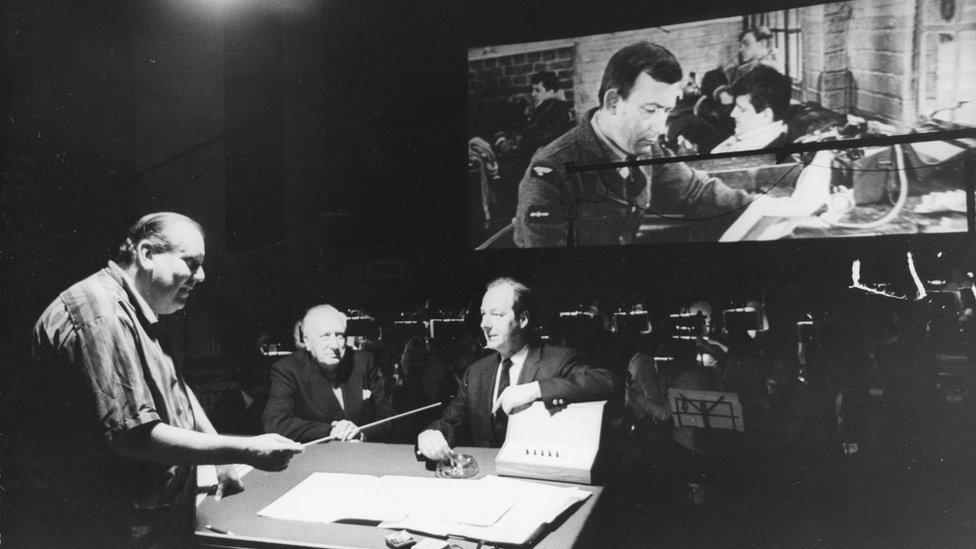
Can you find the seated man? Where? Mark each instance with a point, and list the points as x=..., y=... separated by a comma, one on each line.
x=755, y=50
x=326, y=389
x=522, y=372
x=762, y=101
x=605, y=207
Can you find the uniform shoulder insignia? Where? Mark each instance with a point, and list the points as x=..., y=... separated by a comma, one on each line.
x=541, y=215
x=541, y=170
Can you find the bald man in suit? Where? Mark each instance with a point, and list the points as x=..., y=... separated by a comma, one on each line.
x=326, y=388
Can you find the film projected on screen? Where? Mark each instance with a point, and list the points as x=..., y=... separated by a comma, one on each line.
x=733, y=129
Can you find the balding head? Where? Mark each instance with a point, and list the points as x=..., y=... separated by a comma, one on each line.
x=163, y=255
x=157, y=229
x=324, y=328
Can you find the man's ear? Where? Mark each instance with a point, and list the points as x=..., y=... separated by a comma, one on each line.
x=524, y=319
x=766, y=115
x=611, y=98
x=145, y=256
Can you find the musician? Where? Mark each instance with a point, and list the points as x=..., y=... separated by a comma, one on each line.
x=520, y=372
x=326, y=389
x=105, y=434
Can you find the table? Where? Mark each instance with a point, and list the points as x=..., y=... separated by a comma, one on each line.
x=238, y=513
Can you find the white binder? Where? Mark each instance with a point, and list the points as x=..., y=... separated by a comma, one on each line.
x=559, y=444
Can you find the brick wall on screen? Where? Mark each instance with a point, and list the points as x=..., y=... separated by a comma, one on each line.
x=880, y=54
x=493, y=81
x=826, y=74
x=857, y=58
x=699, y=47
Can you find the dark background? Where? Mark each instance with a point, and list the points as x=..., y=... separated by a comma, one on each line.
x=321, y=146
x=319, y=143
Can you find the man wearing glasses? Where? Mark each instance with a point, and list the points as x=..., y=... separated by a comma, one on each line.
x=326, y=389
x=639, y=87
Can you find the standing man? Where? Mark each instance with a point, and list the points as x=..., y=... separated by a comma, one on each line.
x=521, y=372
x=639, y=87
x=550, y=116
x=326, y=388
x=107, y=433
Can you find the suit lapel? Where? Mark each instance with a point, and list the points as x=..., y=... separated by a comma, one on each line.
x=352, y=391
x=530, y=368
x=486, y=395
x=318, y=388
x=489, y=379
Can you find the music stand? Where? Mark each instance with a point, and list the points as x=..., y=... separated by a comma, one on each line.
x=706, y=409
x=631, y=323
x=741, y=320
x=398, y=332
x=441, y=328
x=687, y=324
x=364, y=326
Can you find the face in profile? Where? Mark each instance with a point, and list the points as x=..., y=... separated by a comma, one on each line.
x=325, y=337
x=642, y=116
x=174, y=273
x=751, y=49
x=540, y=94
x=745, y=115
x=504, y=331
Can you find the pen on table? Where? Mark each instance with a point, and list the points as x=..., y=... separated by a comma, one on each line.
x=218, y=530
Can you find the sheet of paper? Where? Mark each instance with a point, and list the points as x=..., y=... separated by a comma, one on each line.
x=476, y=502
x=538, y=505
x=527, y=518
x=331, y=497
x=207, y=477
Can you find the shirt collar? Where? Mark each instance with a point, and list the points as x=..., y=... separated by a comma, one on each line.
x=519, y=358
x=755, y=138
x=130, y=287
x=614, y=149
x=619, y=154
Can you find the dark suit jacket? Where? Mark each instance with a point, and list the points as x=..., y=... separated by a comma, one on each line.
x=563, y=377
x=302, y=406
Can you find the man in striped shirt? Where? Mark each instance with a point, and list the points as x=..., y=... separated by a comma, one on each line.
x=107, y=433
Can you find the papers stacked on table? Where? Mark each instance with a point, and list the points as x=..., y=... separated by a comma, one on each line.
x=491, y=508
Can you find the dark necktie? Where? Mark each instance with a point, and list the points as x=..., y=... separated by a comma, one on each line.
x=635, y=182
x=501, y=418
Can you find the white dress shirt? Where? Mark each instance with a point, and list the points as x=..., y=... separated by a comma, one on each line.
x=518, y=359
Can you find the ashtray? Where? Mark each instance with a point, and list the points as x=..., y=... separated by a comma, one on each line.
x=460, y=466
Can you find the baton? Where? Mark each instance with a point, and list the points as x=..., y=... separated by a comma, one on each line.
x=375, y=423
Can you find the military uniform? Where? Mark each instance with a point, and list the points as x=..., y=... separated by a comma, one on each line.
x=604, y=207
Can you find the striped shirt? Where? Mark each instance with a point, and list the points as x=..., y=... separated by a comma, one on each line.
x=101, y=372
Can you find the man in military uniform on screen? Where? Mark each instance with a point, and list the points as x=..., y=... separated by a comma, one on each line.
x=639, y=87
